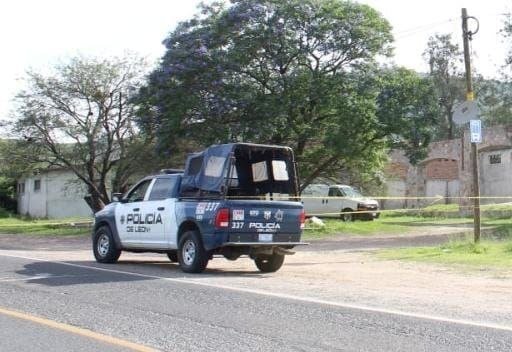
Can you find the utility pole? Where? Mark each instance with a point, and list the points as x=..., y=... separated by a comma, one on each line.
x=467, y=36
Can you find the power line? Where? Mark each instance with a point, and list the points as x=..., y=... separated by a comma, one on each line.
x=424, y=27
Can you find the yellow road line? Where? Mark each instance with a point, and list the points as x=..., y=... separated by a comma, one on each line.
x=77, y=331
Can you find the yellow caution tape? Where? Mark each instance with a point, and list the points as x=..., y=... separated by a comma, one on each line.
x=366, y=197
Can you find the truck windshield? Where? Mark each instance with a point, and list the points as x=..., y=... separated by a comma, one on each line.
x=351, y=192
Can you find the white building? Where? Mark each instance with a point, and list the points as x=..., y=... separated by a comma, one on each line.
x=52, y=193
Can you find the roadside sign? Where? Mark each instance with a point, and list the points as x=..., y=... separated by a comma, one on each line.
x=475, y=127
x=465, y=111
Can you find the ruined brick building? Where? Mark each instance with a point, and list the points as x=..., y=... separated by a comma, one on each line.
x=447, y=172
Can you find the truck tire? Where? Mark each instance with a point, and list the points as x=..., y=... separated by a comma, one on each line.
x=192, y=256
x=173, y=256
x=346, y=215
x=104, y=246
x=269, y=263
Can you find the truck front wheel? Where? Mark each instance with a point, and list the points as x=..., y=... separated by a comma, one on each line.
x=269, y=263
x=104, y=247
x=192, y=256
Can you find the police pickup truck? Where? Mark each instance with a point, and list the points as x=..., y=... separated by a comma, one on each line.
x=231, y=200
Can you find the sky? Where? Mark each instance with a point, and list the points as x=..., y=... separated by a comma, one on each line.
x=38, y=34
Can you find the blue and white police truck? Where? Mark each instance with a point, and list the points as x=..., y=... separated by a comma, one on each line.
x=230, y=200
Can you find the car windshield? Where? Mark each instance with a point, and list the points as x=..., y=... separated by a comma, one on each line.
x=351, y=192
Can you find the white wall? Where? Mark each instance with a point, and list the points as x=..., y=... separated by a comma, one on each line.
x=496, y=179
x=32, y=202
x=395, y=188
x=60, y=196
x=443, y=188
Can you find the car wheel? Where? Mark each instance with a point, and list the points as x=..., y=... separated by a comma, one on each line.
x=192, y=256
x=104, y=247
x=173, y=256
x=269, y=263
x=346, y=215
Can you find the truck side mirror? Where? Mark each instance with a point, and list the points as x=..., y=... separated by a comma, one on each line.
x=116, y=197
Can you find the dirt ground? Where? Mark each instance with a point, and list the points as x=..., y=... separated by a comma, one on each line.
x=342, y=271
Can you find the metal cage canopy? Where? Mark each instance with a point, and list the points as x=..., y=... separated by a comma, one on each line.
x=253, y=169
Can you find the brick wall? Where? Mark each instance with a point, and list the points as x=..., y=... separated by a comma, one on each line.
x=396, y=170
x=442, y=169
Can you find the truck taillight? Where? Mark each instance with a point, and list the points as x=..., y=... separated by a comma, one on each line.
x=222, y=218
x=302, y=218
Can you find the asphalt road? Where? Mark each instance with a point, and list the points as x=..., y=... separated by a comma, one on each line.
x=22, y=335
x=172, y=315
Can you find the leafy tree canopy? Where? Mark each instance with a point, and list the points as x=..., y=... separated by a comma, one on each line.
x=495, y=96
x=79, y=117
x=445, y=60
x=300, y=73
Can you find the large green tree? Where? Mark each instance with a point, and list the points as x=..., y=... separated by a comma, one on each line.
x=407, y=111
x=79, y=117
x=495, y=101
x=445, y=59
x=298, y=72
x=495, y=95
x=11, y=169
x=506, y=32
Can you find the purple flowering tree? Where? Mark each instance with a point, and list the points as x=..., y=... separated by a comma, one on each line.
x=301, y=73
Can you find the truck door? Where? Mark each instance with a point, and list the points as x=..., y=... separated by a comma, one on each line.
x=314, y=199
x=162, y=202
x=333, y=203
x=128, y=213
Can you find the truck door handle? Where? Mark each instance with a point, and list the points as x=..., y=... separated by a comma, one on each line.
x=326, y=201
x=160, y=208
x=136, y=209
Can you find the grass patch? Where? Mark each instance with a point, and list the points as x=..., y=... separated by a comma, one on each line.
x=44, y=227
x=442, y=207
x=389, y=225
x=496, y=211
x=361, y=228
x=497, y=207
x=488, y=253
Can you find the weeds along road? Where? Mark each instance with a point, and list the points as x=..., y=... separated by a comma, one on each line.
x=147, y=301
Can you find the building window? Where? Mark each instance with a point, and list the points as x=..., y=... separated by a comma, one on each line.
x=21, y=188
x=37, y=185
x=495, y=159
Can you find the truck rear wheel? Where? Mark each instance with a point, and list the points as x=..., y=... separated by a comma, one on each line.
x=192, y=256
x=104, y=247
x=269, y=263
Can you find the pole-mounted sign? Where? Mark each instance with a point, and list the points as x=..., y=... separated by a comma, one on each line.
x=475, y=127
x=465, y=111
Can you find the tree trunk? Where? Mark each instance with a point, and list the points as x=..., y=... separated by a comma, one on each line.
x=94, y=200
